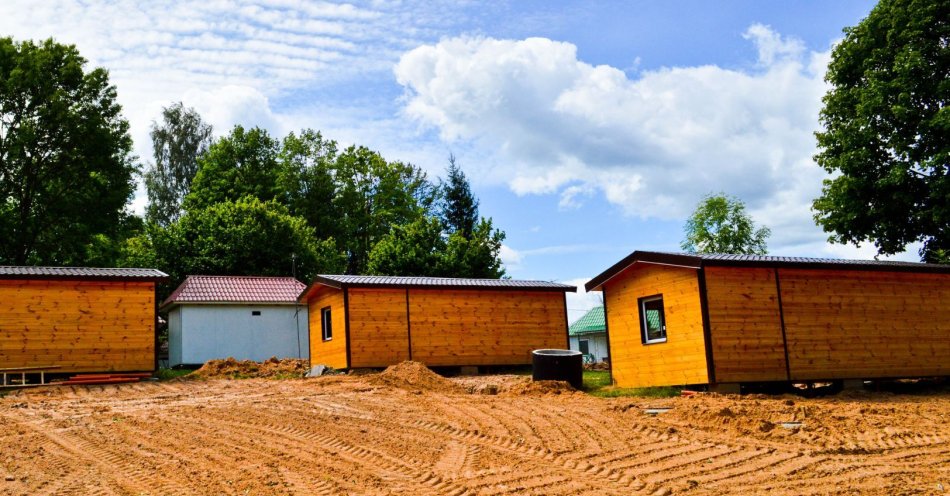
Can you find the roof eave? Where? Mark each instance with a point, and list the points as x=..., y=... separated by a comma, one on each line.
x=550, y=289
x=284, y=303
x=333, y=283
x=689, y=261
x=921, y=268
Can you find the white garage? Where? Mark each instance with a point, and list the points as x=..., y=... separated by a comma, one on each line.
x=244, y=317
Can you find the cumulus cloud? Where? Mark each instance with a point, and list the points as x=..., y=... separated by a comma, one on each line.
x=232, y=59
x=653, y=144
x=510, y=257
x=580, y=302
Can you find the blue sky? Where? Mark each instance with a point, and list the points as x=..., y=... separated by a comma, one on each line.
x=588, y=129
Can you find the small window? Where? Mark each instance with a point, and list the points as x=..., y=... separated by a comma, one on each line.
x=255, y=312
x=584, y=346
x=652, y=321
x=326, y=323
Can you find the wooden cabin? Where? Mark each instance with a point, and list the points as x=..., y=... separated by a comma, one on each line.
x=675, y=319
x=377, y=321
x=243, y=317
x=78, y=319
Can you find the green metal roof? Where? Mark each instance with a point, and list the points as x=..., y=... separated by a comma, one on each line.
x=592, y=322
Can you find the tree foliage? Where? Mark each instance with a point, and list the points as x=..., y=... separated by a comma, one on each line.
x=177, y=143
x=414, y=249
x=308, y=181
x=372, y=196
x=720, y=224
x=886, y=131
x=246, y=237
x=456, y=244
x=66, y=168
x=243, y=163
x=476, y=255
x=422, y=248
x=459, y=207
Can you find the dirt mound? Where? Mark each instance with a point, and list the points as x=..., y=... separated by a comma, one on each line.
x=535, y=388
x=512, y=385
x=229, y=368
x=414, y=376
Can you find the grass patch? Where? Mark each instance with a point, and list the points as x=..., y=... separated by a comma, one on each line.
x=596, y=379
x=168, y=374
x=597, y=383
x=650, y=392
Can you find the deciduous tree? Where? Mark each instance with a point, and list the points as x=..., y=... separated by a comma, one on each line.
x=244, y=237
x=720, y=224
x=886, y=134
x=243, y=163
x=66, y=167
x=177, y=143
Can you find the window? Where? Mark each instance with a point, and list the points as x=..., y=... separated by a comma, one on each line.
x=584, y=346
x=652, y=321
x=326, y=323
x=255, y=313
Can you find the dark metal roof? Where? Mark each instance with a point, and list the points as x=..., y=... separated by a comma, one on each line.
x=31, y=272
x=696, y=260
x=343, y=281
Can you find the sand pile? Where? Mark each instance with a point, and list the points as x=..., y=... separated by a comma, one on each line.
x=512, y=385
x=229, y=368
x=537, y=388
x=414, y=376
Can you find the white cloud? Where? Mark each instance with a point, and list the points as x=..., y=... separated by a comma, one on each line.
x=653, y=144
x=580, y=302
x=232, y=59
x=510, y=257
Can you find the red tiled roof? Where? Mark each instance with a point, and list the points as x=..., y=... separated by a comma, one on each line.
x=236, y=289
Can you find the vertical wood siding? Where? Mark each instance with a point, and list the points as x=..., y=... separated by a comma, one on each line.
x=484, y=327
x=682, y=358
x=854, y=324
x=333, y=352
x=745, y=326
x=378, y=327
x=82, y=326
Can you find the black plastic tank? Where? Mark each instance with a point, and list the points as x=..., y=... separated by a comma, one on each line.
x=558, y=365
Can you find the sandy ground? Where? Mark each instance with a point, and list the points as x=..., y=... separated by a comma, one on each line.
x=415, y=434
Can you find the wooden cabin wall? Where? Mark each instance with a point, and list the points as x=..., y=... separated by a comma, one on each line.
x=379, y=334
x=745, y=325
x=468, y=327
x=862, y=324
x=82, y=326
x=679, y=360
x=332, y=352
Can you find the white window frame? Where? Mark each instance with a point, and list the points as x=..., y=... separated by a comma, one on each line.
x=644, y=325
x=326, y=322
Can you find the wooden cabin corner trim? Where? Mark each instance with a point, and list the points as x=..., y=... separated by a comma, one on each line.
x=781, y=318
x=707, y=330
x=408, y=325
x=346, y=324
x=155, y=325
x=610, y=352
x=567, y=326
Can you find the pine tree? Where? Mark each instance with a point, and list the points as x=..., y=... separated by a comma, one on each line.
x=459, y=210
